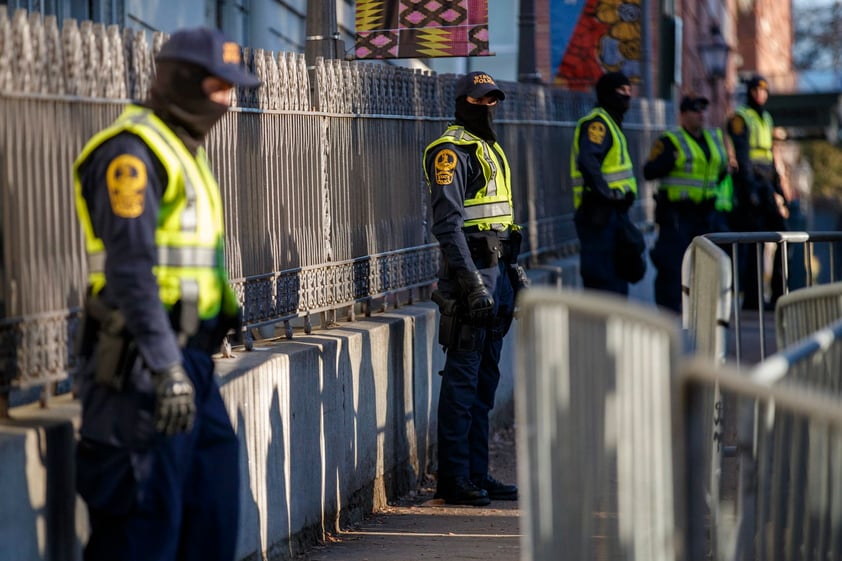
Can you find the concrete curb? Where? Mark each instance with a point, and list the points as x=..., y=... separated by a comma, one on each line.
x=331, y=426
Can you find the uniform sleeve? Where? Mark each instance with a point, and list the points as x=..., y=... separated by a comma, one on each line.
x=738, y=133
x=661, y=160
x=449, y=171
x=122, y=183
x=594, y=142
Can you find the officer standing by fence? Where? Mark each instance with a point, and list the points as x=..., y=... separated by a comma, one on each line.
x=691, y=163
x=157, y=461
x=604, y=188
x=473, y=220
x=760, y=204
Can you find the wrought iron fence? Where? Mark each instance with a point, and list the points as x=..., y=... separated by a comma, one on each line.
x=323, y=208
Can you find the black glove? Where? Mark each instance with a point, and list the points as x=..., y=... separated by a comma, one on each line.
x=174, y=405
x=518, y=278
x=479, y=300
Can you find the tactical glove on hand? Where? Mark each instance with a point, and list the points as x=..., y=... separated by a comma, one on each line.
x=518, y=278
x=479, y=300
x=175, y=409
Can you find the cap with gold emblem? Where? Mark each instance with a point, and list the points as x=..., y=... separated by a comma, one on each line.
x=211, y=50
x=757, y=81
x=477, y=85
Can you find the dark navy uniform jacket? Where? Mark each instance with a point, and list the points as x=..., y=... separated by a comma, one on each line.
x=745, y=174
x=131, y=251
x=448, y=203
x=590, y=160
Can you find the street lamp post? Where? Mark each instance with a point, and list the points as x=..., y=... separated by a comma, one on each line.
x=714, y=55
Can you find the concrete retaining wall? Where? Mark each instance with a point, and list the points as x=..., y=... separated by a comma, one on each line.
x=330, y=425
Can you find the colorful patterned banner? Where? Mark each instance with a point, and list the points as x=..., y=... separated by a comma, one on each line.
x=421, y=28
x=604, y=38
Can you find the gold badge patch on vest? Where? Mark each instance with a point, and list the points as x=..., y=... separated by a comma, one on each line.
x=596, y=132
x=445, y=164
x=126, y=179
x=737, y=125
x=657, y=150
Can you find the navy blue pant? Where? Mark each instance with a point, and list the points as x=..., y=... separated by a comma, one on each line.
x=469, y=382
x=597, y=226
x=758, y=219
x=152, y=498
x=676, y=229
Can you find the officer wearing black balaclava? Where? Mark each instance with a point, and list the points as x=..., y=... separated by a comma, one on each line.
x=759, y=201
x=157, y=461
x=604, y=187
x=613, y=94
x=473, y=221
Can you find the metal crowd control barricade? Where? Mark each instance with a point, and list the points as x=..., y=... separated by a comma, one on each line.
x=740, y=244
x=706, y=279
x=809, y=332
x=703, y=304
x=799, y=315
x=595, y=438
x=805, y=311
x=803, y=519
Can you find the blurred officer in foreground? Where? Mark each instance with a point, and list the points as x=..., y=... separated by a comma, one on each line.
x=691, y=163
x=604, y=187
x=473, y=220
x=157, y=462
x=759, y=200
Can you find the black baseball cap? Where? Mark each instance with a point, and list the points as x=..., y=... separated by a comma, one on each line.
x=693, y=103
x=757, y=81
x=478, y=84
x=211, y=50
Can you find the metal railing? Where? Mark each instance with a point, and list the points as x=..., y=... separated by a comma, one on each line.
x=799, y=446
x=323, y=208
x=750, y=245
x=600, y=389
x=710, y=303
x=594, y=431
x=706, y=315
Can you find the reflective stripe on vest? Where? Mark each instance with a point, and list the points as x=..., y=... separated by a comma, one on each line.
x=189, y=238
x=167, y=257
x=491, y=207
x=760, y=130
x=695, y=178
x=617, y=168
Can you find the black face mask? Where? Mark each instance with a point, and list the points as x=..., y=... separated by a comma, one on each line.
x=616, y=104
x=178, y=99
x=607, y=97
x=478, y=119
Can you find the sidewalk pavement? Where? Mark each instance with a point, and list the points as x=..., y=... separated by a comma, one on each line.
x=418, y=527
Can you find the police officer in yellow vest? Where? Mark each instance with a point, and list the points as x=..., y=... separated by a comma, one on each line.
x=604, y=187
x=759, y=200
x=473, y=221
x=157, y=461
x=691, y=163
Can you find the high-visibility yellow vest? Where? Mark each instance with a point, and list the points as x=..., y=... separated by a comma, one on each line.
x=617, y=168
x=189, y=236
x=491, y=206
x=725, y=195
x=694, y=177
x=760, y=128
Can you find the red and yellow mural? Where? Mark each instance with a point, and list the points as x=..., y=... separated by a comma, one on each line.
x=605, y=38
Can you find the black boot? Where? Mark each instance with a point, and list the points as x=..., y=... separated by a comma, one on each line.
x=496, y=490
x=460, y=491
